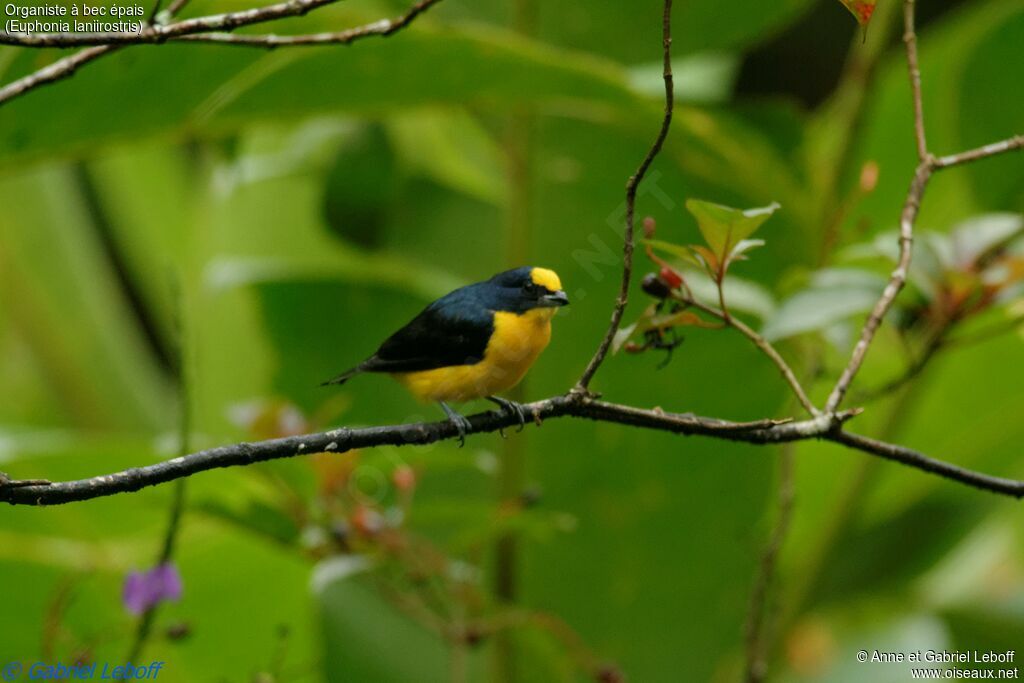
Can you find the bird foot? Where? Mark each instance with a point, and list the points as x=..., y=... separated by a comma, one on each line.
x=510, y=408
x=462, y=425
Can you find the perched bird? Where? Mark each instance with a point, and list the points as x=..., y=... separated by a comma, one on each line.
x=472, y=343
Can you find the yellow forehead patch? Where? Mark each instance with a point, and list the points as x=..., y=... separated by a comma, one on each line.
x=546, y=278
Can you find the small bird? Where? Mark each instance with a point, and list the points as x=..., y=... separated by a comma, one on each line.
x=474, y=342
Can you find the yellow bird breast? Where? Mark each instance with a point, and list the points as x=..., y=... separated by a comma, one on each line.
x=514, y=346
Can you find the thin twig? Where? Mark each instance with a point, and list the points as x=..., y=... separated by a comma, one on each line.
x=1016, y=142
x=914, y=71
x=582, y=386
x=185, y=30
x=158, y=33
x=59, y=70
x=896, y=282
x=384, y=27
x=925, y=166
x=176, y=7
x=763, y=344
x=918, y=460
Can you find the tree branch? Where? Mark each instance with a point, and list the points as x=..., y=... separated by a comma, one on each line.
x=384, y=27
x=914, y=71
x=208, y=29
x=827, y=427
x=918, y=460
x=927, y=164
x=631, y=187
x=1016, y=142
x=59, y=70
x=159, y=33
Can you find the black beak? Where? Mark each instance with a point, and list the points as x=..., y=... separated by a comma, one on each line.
x=554, y=300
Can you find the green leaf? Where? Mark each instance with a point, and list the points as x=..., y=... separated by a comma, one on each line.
x=833, y=296
x=724, y=227
x=676, y=250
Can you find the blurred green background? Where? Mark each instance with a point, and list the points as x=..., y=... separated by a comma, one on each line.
x=294, y=207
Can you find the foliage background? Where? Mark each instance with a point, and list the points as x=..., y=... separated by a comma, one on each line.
x=307, y=202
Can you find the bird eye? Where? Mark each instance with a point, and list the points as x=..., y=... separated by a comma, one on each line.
x=529, y=287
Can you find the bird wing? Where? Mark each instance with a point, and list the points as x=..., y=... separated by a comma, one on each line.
x=453, y=330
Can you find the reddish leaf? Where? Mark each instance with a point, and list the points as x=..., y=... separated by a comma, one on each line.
x=861, y=9
x=708, y=259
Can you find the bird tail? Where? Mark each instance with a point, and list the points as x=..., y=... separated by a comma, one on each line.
x=344, y=377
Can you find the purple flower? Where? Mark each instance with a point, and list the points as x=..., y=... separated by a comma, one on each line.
x=144, y=590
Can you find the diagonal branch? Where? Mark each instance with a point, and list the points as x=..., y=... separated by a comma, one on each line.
x=896, y=282
x=384, y=28
x=927, y=165
x=159, y=33
x=631, y=187
x=59, y=70
x=66, y=67
x=1016, y=142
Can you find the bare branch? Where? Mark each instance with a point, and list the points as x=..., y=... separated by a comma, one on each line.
x=631, y=187
x=384, y=27
x=158, y=33
x=763, y=344
x=927, y=164
x=59, y=70
x=67, y=66
x=896, y=283
x=1016, y=142
x=918, y=460
x=914, y=71
x=827, y=427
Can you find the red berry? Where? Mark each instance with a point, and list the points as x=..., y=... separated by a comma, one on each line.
x=670, y=277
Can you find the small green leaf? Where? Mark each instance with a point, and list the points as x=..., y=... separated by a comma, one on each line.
x=724, y=227
x=676, y=250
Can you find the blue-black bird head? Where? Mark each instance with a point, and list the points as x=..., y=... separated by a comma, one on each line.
x=523, y=289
